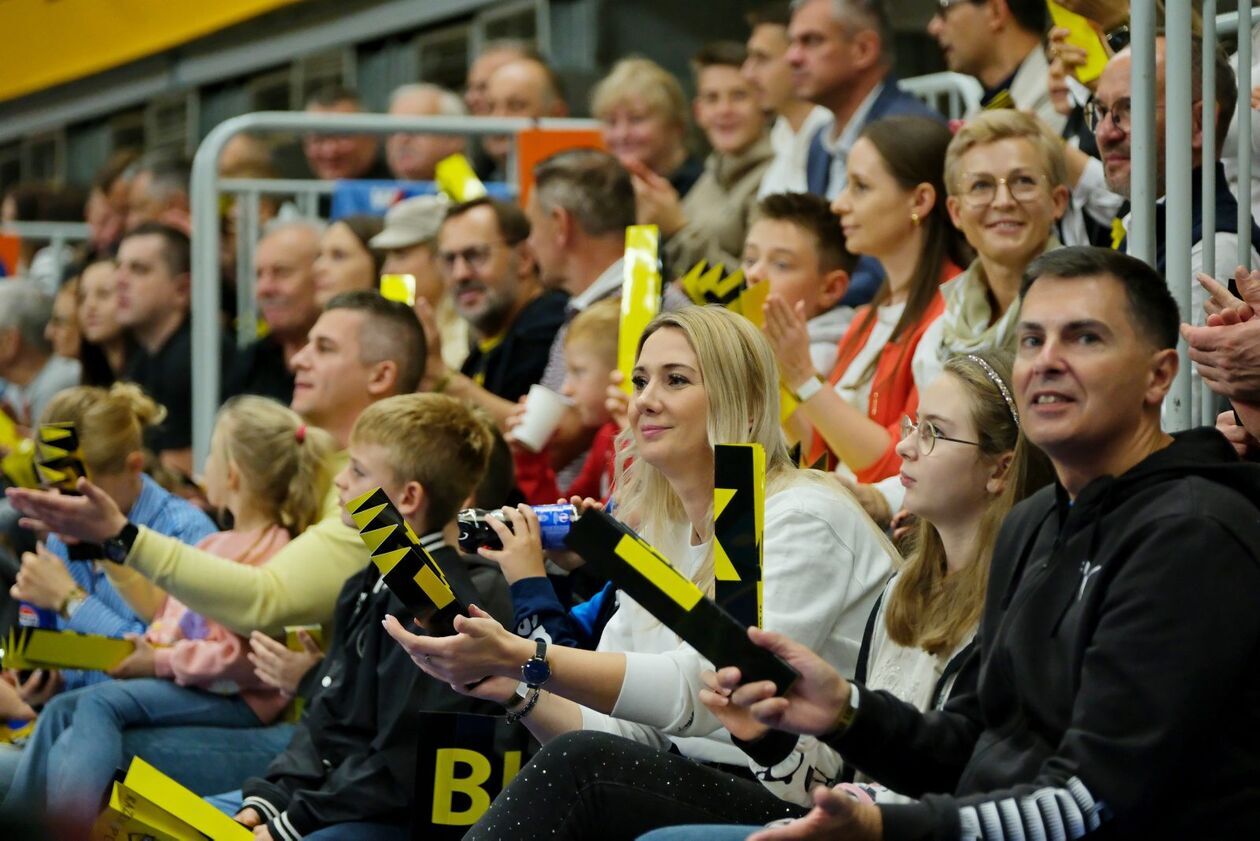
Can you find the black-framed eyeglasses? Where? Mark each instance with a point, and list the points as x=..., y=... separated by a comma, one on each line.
x=980, y=190
x=927, y=435
x=1120, y=113
x=476, y=256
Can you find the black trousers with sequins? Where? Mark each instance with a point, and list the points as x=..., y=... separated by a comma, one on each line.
x=594, y=785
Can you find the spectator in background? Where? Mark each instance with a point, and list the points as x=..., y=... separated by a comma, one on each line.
x=346, y=261
x=999, y=42
x=284, y=265
x=409, y=240
x=1110, y=115
x=492, y=56
x=413, y=157
x=796, y=120
x=644, y=112
x=524, y=87
x=335, y=156
x=106, y=209
x=581, y=204
x=62, y=331
x=158, y=192
x=492, y=278
x=29, y=371
x=842, y=57
x=711, y=222
x=796, y=245
x=105, y=344
x=153, y=293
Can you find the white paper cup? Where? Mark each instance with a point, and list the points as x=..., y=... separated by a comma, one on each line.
x=543, y=410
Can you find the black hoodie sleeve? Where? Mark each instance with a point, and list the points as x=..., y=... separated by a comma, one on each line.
x=1175, y=631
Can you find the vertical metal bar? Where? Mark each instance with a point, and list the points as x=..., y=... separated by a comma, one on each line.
x=1244, y=132
x=247, y=225
x=1177, y=186
x=1203, y=398
x=205, y=288
x=1142, y=133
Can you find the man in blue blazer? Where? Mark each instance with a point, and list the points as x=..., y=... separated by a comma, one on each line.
x=841, y=57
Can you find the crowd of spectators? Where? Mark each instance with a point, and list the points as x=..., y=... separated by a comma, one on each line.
x=1017, y=606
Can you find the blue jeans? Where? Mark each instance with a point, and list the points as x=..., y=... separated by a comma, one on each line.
x=78, y=738
x=230, y=804
x=700, y=832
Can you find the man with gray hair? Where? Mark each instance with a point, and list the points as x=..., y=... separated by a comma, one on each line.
x=159, y=191
x=284, y=265
x=30, y=374
x=413, y=157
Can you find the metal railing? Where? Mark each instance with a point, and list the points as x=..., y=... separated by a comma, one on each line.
x=959, y=93
x=207, y=187
x=1190, y=402
x=59, y=235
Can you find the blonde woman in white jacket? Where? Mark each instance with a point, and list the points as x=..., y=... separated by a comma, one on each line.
x=703, y=376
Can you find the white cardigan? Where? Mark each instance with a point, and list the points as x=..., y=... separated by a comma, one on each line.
x=824, y=565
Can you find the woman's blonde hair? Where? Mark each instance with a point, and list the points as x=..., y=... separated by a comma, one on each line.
x=285, y=465
x=928, y=607
x=110, y=422
x=1002, y=124
x=643, y=79
x=741, y=383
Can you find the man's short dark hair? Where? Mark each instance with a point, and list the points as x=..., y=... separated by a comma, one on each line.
x=1030, y=15
x=1152, y=309
x=333, y=95
x=591, y=185
x=770, y=14
x=513, y=223
x=176, y=252
x=719, y=54
x=1226, y=90
x=390, y=331
x=813, y=214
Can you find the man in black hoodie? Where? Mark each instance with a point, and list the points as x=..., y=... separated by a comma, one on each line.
x=1115, y=688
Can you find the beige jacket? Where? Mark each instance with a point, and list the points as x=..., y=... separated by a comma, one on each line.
x=719, y=210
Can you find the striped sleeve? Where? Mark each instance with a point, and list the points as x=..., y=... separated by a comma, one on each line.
x=1026, y=813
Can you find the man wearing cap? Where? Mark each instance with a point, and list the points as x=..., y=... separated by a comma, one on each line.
x=409, y=242
x=492, y=277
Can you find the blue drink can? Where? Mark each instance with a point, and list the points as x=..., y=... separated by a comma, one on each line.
x=32, y=616
x=554, y=522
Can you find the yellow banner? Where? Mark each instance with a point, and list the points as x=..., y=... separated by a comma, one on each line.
x=49, y=43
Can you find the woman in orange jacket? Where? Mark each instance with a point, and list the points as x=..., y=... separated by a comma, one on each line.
x=892, y=209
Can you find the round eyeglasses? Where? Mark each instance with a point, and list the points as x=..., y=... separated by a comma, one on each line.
x=927, y=435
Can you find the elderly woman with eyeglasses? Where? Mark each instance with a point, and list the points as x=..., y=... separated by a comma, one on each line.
x=1007, y=183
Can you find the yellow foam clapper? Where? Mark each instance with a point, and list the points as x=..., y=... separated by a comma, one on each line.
x=127, y=815
x=455, y=177
x=751, y=302
x=41, y=648
x=292, y=642
x=1081, y=33
x=149, y=784
x=640, y=294
x=18, y=464
x=739, y=510
x=59, y=457
x=637, y=569
x=399, y=287
x=710, y=285
x=423, y=585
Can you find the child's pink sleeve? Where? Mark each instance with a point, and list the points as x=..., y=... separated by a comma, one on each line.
x=221, y=656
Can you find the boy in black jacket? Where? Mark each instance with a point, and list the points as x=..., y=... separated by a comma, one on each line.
x=349, y=771
x=1116, y=689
